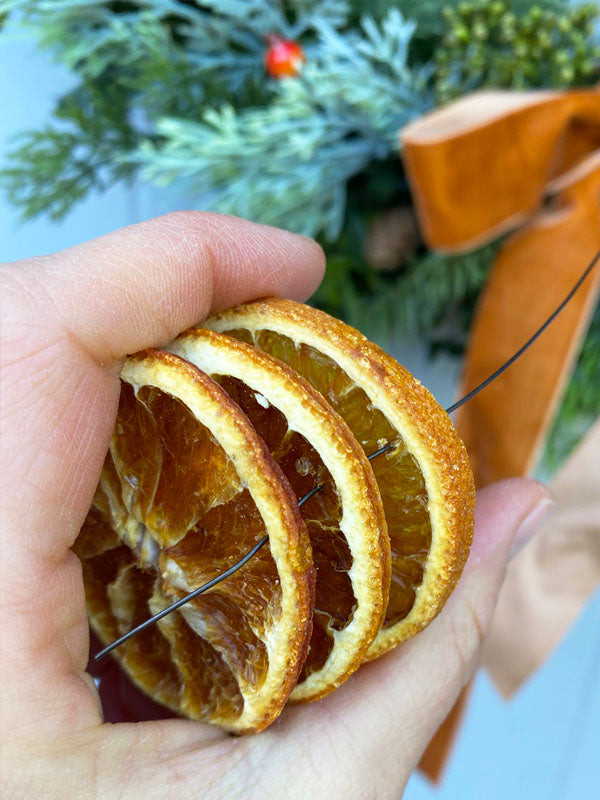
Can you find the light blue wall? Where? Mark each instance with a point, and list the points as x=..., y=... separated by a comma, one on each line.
x=543, y=744
x=29, y=84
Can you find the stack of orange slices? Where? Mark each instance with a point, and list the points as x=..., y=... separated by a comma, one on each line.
x=217, y=437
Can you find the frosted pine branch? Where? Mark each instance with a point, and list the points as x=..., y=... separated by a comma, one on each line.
x=288, y=163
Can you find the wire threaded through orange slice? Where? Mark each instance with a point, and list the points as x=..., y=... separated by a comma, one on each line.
x=187, y=488
x=204, y=461
x=425, y=482
x=345, y=520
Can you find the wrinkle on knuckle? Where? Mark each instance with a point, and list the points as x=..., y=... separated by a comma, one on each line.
x=468, y=632
x=28, y=357
x=179, y=221
x=37, y=329
x=27, y=334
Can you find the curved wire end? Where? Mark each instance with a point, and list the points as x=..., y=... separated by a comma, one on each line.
x=529, y=342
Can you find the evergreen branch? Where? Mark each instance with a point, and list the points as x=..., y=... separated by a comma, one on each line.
x=580, y=407
x=432, y=293
x=221, y=40
x=288, y=163
x=54, y=168
x=46, y=176
x=149, y=59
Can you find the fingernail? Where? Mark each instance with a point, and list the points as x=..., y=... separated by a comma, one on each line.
x=531, y=524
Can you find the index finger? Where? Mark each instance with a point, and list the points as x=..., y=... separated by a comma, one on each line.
x=141, y=285
x=68, y=315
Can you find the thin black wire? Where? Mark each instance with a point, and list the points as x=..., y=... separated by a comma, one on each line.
x=382, y=450
x=200, y=590
x=386, y=448
x=529, y=342
x=178, y=603
x=196, y=592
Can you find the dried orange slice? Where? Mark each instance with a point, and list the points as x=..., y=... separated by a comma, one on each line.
x=425, y=482
x=345, y=520
x=187, y=489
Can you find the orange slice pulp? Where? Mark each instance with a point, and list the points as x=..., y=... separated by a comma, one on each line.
x=425, y=482
x=187, y=489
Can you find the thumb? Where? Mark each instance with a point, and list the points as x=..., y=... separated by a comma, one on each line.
x=389, y=710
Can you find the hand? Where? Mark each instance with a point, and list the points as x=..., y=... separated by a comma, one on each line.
x=68, y=320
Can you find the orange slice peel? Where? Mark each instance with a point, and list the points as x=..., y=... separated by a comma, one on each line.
x=187, y=488
x=215, y=442
x=313, y=445
x=426, y=483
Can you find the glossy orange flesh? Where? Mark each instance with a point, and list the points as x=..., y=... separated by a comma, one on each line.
x=302, y=466
x=167, y=473
x=400, y=480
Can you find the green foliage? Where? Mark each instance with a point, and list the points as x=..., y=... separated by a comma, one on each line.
x=177, y=89
x=138, y=62
x=57, y=166
x=288, y=163
x=196, y=107
x=487, y=44
x=128, y=64
x=433, y=295
x=581, y=404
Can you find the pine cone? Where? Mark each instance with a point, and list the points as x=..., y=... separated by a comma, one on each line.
x=392, y=236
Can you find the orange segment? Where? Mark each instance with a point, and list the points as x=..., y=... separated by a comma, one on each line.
x=425, y=483
x=187, y=489
x=345, y=520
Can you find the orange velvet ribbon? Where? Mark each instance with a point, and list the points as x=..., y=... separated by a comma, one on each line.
x=480, y=167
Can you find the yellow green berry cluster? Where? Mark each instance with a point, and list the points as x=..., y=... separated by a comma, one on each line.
x=488, y=45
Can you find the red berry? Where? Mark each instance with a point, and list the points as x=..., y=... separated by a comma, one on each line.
x=283, y=57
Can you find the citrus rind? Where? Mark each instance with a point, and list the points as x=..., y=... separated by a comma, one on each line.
x=363, y=521
x=287, y=633
x=422, y=424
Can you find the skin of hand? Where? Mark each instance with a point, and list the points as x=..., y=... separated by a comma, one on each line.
x=68, y=320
